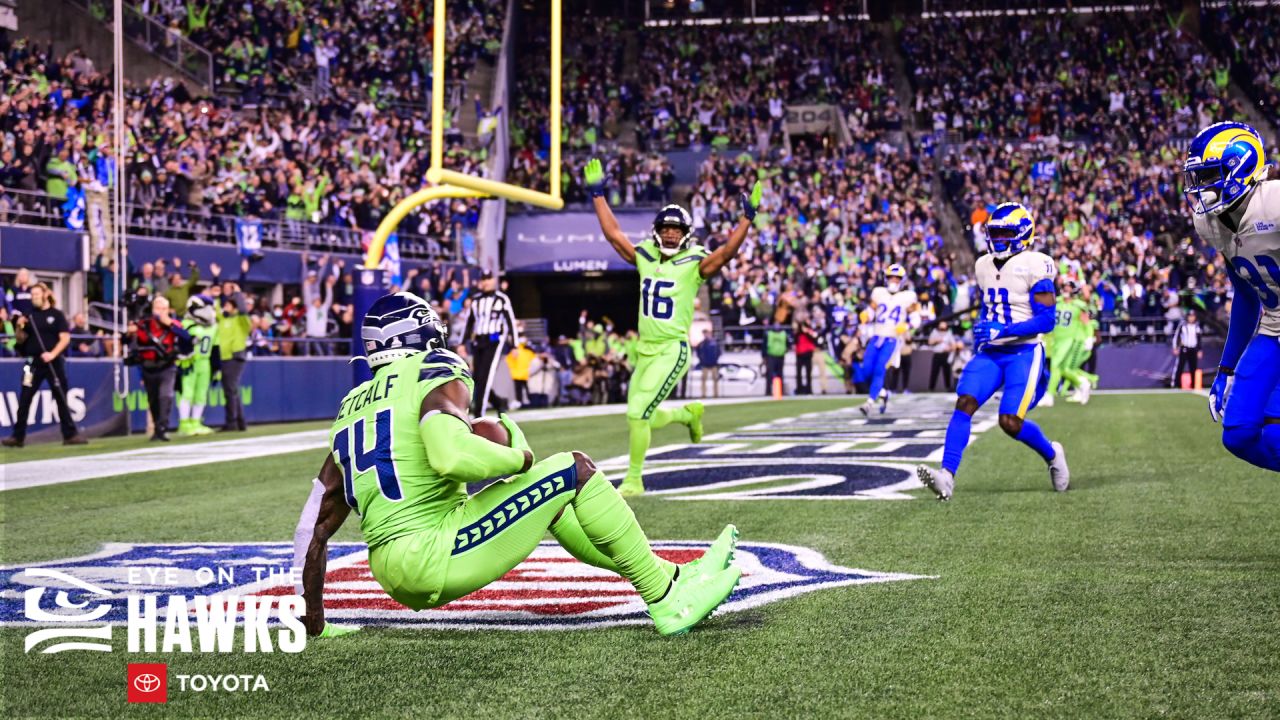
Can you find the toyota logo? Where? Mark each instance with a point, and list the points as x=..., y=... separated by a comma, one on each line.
x=146, y=683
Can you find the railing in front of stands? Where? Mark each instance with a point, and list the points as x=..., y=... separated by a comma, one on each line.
x=24, y=207
x=185, y=56
x=302, y=346
x=1114, y=329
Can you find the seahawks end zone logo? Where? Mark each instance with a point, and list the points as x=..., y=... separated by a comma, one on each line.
x=548, y=591
x=833, y=455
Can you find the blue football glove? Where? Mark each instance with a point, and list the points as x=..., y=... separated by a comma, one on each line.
x=984, y=332
x=1220, y=392
x=751, y=203
x=593, y=175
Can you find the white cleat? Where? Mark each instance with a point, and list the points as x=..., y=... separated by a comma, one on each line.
x=1075, y=397
x=1059, y=473
x=1047, y=400
x=865, y=408
x=884, y=401
x=939, y=481
x=1084, y=392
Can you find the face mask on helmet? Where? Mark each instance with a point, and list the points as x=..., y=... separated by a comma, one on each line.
x=674, y=222
x=1003, y=241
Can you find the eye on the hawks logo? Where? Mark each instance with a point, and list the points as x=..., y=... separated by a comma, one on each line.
x=548, y=591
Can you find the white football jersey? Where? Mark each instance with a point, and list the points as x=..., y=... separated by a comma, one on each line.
x=1005, y=292
x=891, y=310
x=1254, y=251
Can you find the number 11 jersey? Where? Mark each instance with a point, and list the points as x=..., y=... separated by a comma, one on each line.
x=1006, y=291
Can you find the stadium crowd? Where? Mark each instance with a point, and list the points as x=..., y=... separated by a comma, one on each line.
x=196, y=164
x=1250, y=44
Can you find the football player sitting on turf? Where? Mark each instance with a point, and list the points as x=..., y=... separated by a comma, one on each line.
x=402, y=453
x=1018, y=304
x=1237, y=210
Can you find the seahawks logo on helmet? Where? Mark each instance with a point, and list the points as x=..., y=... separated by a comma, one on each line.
x=673, y=216
x=1224, y=162
x=1010, y=230
x=400, y=325
x=200, y=308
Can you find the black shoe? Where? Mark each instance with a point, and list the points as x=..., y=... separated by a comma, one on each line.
x=241, y=427
x=76, y=439
x=13, y=442
x=227, y=428
x=160, y=437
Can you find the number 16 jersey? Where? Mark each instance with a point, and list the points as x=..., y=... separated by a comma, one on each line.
x=1254, y=250
x=1007, y=291
x=668, y=289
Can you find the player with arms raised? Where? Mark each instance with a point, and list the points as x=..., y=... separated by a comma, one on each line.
x=893, y=311
x=1237, y=210
x=1018, y=306
x=402, y=452
x=672, y=269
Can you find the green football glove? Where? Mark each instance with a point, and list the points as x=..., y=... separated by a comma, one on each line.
x=332, y=631
x=593, y=175
x=517, y=435
x=751, y=204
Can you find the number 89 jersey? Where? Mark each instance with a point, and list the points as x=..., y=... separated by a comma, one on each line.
x=667, y=291
x=1006, y=291
x=1254, y=252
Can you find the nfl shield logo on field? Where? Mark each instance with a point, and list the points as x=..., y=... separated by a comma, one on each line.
x=548, y=591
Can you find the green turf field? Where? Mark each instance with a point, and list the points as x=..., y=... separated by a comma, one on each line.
x=1151, y=589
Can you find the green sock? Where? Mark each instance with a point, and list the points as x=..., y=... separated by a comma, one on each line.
x=639, y=442
x=609, y=524
x=662, y=418
x=568, y=532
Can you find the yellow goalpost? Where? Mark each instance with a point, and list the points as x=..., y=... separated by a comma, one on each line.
x=451, y=184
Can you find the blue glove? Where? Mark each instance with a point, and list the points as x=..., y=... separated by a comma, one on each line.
x=1220, y=392
x=984, y=332
x=751, y=203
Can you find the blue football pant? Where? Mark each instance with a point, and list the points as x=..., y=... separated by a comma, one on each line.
x=1251, y=421
x=875, y=363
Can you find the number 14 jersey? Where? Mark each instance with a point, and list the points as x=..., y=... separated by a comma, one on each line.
x=1006, y=291
x=1254, y=250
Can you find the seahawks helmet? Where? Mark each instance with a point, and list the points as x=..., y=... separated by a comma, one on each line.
x=1010, y=230
x=673, y=216
x=201, y=309
x=894, y=275
x=400, y=325
x=1224, y=162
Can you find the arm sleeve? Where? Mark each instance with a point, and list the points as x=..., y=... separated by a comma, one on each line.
x=458, y=454
x=1042, y=321
x=1245, y=308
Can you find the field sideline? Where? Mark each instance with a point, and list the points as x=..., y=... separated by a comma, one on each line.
x=1150, y=589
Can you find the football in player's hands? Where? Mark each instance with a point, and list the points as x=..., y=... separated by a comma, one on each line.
x=491, y=430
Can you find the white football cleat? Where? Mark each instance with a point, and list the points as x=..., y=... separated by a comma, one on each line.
x=1047, y=400
x=884, y=400
x=1084, y=392
x=1059, y=473
x=939, y=481
x=1075, y=396
x=865, y=408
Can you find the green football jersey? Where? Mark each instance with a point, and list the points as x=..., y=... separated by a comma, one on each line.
x=1069, y=313
x=668, y=288
x=203, y=339
x=386, y=476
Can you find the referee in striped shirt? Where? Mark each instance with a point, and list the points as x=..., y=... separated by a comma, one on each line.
x=491, y=329
x=1186, y=347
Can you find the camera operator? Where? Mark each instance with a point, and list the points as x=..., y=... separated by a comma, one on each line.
x=43, y=335
x=156, y=341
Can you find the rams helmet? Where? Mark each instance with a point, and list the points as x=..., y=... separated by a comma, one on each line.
x=400, y=325
x=1225, y=161
x=894, y=275
x=1010, y=230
